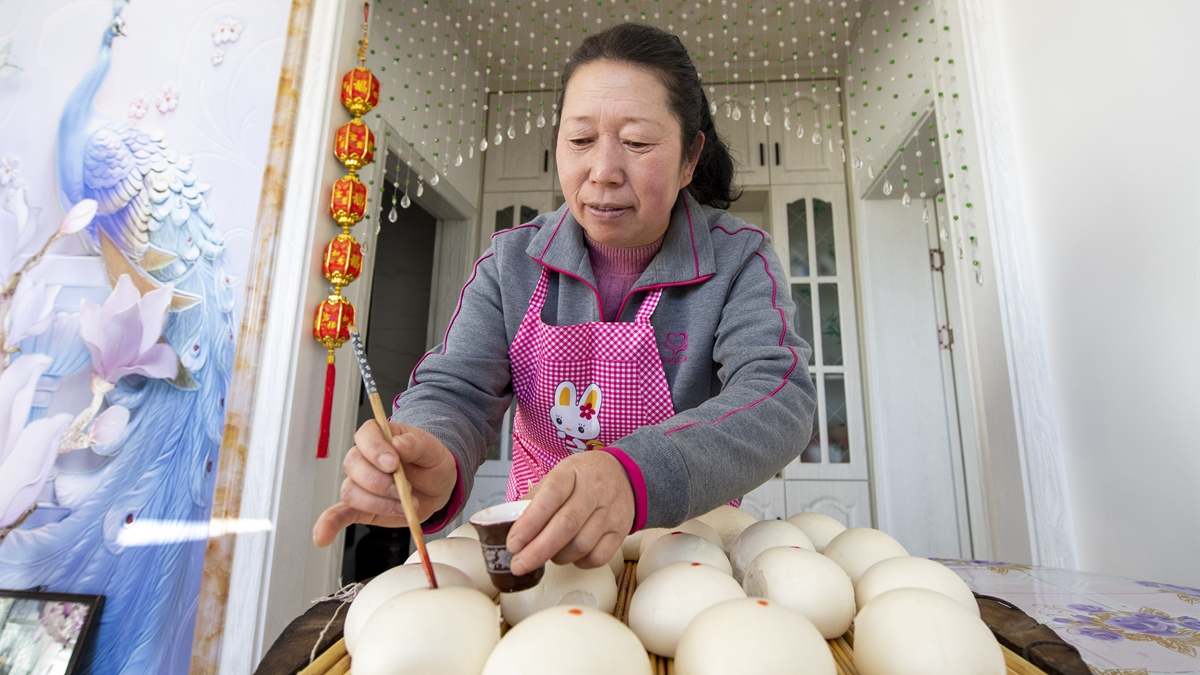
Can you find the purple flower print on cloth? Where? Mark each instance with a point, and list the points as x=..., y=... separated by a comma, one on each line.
x=1105, y=635
x=1092, y=609
x=1141, y=622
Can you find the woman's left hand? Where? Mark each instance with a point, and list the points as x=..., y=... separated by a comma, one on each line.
x=580, y=513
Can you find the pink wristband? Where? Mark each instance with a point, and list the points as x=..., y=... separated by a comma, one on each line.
x=636, y=481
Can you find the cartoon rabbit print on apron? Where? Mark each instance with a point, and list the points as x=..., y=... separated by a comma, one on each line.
x=577, y=420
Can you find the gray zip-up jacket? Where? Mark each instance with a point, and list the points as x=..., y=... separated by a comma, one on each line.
x=737, y=371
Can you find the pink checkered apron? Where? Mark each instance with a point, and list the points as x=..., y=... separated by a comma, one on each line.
x=580, y=387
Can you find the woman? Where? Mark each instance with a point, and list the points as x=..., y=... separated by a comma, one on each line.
x=644, y=331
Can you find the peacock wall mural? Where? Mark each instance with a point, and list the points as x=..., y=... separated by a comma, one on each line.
x=132, y=140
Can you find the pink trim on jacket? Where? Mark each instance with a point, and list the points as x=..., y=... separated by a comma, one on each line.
x=782, y=337
x=692, y=232
x=641, y=498
x=599, y=302
x=554, y=234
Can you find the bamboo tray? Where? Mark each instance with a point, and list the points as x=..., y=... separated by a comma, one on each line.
x=335, y=661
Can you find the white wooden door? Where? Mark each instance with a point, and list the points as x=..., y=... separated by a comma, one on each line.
x=916, y=446
x=806, y=141
x=503, y=210
x=747, y=141
x=523, y=163
x=812, y=238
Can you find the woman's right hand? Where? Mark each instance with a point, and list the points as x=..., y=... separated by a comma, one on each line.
x=369, y=493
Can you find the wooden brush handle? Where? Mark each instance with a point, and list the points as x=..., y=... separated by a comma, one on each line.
x=405, y=489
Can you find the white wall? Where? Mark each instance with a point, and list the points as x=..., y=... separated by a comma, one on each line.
x=1103, y=101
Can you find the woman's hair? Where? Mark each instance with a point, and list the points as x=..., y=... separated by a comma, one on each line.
x=664, y=55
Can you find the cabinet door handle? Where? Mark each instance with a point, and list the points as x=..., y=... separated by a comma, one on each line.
x=546, y=162
x=762, y=155
x=776, y=154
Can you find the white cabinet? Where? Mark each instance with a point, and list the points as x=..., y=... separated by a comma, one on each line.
x=847, y=501
x=812, y=239
x=523, y=163
x=748, y=142
x=503, y=210
x=796, y=159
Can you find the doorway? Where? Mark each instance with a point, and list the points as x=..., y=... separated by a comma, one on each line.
x=918, y=392
x=396, y=339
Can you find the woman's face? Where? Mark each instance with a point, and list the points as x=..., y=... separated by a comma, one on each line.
x=620, y=159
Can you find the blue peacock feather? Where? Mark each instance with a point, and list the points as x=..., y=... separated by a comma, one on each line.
x=152, y=219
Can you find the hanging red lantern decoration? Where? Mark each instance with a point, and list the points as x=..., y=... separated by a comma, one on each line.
x=354, y=147
x=348, y=203
x=343, y=260
x=360, y=91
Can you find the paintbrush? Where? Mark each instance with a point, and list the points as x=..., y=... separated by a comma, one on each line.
x=402, y=484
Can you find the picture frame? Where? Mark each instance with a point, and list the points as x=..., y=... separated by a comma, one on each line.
x=45, y=633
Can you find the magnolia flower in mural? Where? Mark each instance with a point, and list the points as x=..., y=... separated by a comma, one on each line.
x=123, y=334
x=9, y=169
x=218, y=57
x=27, y=451
x=227, y=29
x=31, y=312
x=168, y=100
x=138, y=107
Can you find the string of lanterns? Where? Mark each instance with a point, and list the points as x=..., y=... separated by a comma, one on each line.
x=354, y=147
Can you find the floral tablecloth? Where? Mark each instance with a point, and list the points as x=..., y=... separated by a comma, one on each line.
x=1121, y=626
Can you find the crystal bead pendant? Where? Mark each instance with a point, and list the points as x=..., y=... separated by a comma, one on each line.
x=498, y=139
x=434, y=180
x=541, y=120
x=458, y=160
x=800, y=130
x=925, y=215
x=737, y=112
x=712, y=108
x=858, y=163
x=512, y=130
x=767, y=118
x=420, y=188
x=871, y=172
x=752, y=119
x=393, y=215
x=816, y=137
x=405, y=202
x=528, y=127
x=906, y=200
x=887, y=187
x=483, y=145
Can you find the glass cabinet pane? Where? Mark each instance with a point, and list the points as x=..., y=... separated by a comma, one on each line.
x=835, y=418
x=802, y=296
x=528, y=214
x=797, y=219
x=823, y=234
x=831, y=325
x=504, y=218
x=812, y=453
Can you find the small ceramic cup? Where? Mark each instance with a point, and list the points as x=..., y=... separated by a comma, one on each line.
x=493, y=524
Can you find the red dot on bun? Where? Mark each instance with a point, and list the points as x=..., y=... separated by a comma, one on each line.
x=764, y=603
x=695, y=564
x=576, y=612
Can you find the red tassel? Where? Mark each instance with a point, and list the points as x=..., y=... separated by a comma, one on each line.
x=326, y=409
